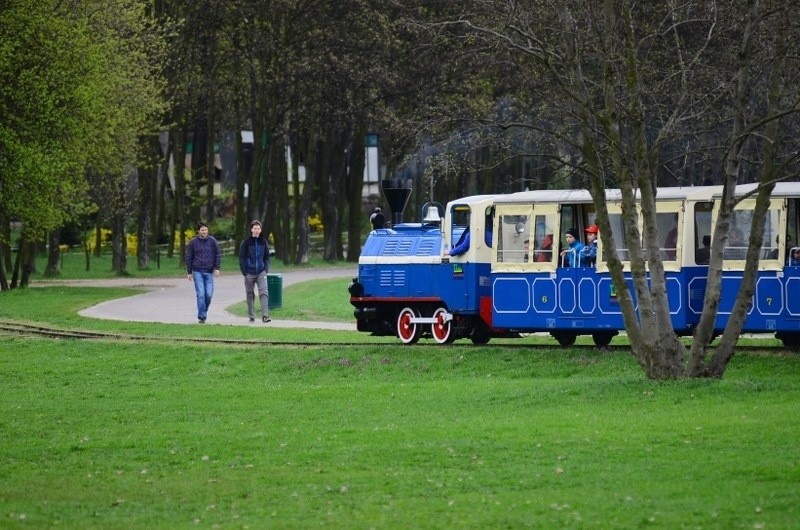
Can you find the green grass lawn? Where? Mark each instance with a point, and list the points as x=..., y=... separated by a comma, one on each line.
x=162, y=435
x=165, y=434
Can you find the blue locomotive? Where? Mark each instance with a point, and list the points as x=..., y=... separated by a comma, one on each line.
x=409, y=286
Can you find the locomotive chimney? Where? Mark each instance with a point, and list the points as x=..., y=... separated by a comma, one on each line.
x=397, y=192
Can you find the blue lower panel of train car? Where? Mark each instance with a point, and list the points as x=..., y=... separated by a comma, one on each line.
x=570, y=299
x=775, y=305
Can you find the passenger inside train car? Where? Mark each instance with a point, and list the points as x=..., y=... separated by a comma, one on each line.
x=589, y=252
x=543, y=238
x=545, y=251
x=775, y=252
x=701, y=232
x=794, y=257
x=669, y=247
x=703, y=254
x=572, y=256
x=737, y=246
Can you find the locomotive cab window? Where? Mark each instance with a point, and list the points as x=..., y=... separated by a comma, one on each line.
x=459, y=226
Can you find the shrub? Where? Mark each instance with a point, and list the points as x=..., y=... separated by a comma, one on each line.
x=315, y=223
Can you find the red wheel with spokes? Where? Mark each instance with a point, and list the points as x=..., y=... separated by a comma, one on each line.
x=442, y=328
x=407, y=331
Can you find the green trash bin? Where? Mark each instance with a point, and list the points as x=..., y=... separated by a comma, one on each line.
x=275, y=290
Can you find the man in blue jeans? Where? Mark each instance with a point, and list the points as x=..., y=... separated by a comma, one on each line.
x=203, y=259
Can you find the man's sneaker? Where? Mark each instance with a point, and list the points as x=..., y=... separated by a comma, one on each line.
x=266, y=319
x=201, y=320
x=252, y=320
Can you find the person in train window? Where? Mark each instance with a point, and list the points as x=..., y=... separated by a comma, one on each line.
x=794, y=257
x=571, y=257
x=671, y=244
x=461, y=246
x=545, y=253
x=737, y=246
x=589, y=252
x=488, y=236
x=703, y=254
x=789, y=244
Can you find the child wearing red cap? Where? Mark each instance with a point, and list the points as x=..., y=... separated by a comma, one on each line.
x=590, y=249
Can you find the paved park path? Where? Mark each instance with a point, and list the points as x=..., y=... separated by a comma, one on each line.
x=172, y=300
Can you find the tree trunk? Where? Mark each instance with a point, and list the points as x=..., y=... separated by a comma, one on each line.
x=5, y=252
x=354, y=186
x=98, y=237
x=333, y=164
x=179, y=222
x=724, y=352
x=299, y=146
x=25, y=264
x=147, y=229
x=119, y=246
x=53, y=254
x=3, y=280
x=314, y=152
x=198, y=171
x=145, y=181
x=5, y=242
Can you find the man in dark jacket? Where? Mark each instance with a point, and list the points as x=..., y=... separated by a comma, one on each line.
x=254, y=264
x=203, y=259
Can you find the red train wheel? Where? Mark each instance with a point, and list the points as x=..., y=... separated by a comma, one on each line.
x=407, y=331
x=442, y=329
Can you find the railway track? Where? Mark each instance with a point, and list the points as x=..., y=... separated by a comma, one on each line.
x=37, y=330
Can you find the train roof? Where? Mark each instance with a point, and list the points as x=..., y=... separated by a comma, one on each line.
x=560, y=196
x=782, y=189
x=473, y=199
x=583, y=196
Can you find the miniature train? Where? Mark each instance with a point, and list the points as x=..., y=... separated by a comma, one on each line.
x=513, y=280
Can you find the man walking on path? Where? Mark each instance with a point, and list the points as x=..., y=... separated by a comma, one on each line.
x=203, y=260
x=254, y=264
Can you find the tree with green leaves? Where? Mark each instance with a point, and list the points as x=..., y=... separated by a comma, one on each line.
x=78, y=93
